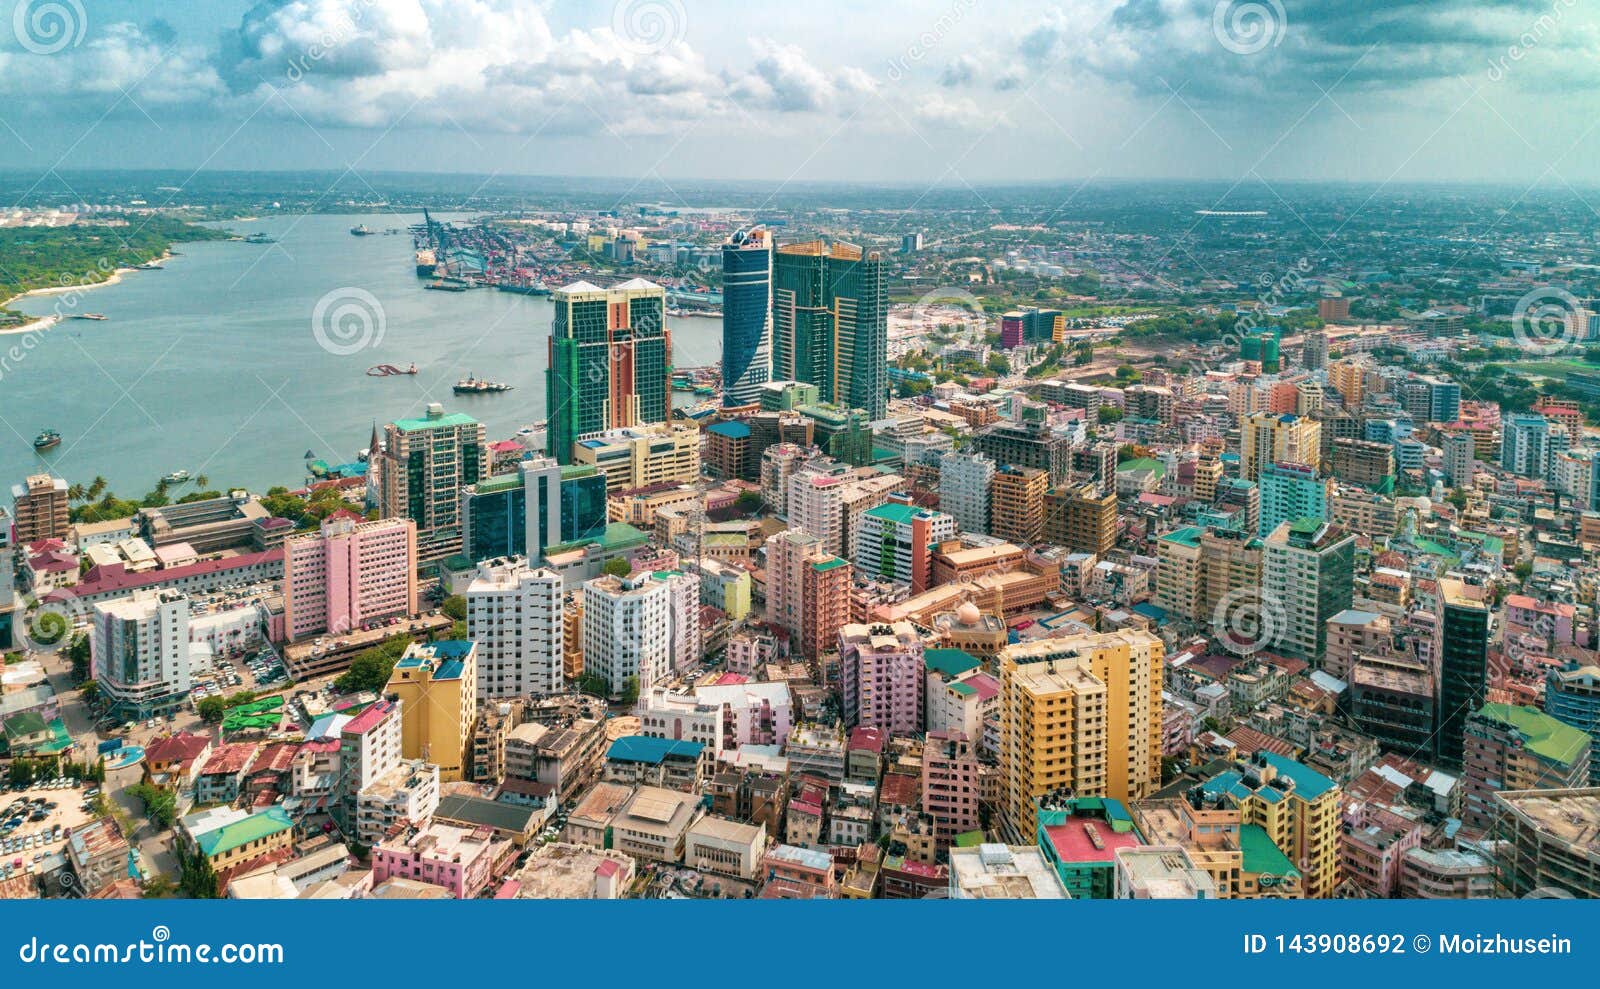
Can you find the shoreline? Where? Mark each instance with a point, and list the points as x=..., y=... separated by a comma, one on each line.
x=112, y=279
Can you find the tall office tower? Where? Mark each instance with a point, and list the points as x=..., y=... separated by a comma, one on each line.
x=39, y=509
x=881, y=677
x=896, y=541
x=746, y=316
x=350, y=572
x=625, y=632
x=514, y=614
x=1349, y=378
x=808, y=590
x=425, y=463
x=830, y=322
x=1462, y=648
x=1309, y=565
x=1082, y=518
x=140, y=649
x=1314, y=355
x=1460, y=459
x=1572, y=696
x=779, y=463
x=964, y=483
x=1269, y=438
x=1017, y=504
x=1527, y=443
x=1430, y=398
x=1079, y=714
x=1289, y=492
x=1510, y=747
x=517, y=514
x=610, y=360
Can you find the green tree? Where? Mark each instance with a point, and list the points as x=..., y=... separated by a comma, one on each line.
x=455, y=607
x=617, y=566
x=370, y=669
x=594, y=685
x=1109, y=414
x=78, y=653
x=630, y=690
x=748, y=502
x=160, y=806
x=212, y=709
x=197, y=880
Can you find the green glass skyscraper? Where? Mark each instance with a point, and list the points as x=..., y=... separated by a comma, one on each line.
x=610, y=361
x=830, y=322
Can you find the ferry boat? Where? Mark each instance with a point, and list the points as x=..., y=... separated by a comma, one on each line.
x=258, y=238
x=362, y=230
x=46, y=440
x=176, y=477
x=478, y=386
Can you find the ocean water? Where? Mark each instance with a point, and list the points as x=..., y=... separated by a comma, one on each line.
x=237, y=359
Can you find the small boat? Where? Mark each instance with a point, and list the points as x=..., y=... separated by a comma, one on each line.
x=46, y=440
x=147, y=266
x=389, y=370
x=310, y=455
x=447, y=285
x=477, y=386
x=362, y=230
x=176, y=477
x=87, y=315
x=258, y=238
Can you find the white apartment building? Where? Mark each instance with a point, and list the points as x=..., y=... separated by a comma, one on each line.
x=140, y=649
x=627, y=630
x=514, y=614
x=964, y=483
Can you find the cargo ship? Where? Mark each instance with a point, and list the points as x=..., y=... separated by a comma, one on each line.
x=427, y=263
x=477, y=386
x=362, y=230
x=448, y=285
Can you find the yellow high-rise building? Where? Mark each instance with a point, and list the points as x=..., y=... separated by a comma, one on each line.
x=1349, y=379
x=1272, y=438
x=1079, y=714
x=1296, y=806
x=437, y=685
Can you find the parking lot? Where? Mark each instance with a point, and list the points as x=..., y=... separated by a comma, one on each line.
x=250, y=671
x=35, y=821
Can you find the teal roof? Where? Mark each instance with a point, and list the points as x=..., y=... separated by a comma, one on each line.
x=1188, y=536
x=894, y=512
x=1261, y=855
x=831, y=563
x=950, y=662
x=262, y=824
x=423, y=422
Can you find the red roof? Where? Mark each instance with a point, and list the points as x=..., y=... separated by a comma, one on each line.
x=608, y=868
x=115, y=578
x=867, y=738
x=1073, y=841
x=368, y=719
x=182, y=748
x=230, y=759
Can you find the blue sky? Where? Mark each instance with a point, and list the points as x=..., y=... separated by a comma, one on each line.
x=951, y=91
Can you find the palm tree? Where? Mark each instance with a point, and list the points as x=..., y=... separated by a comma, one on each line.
x=75, y=492
x=97, y=487
x=201, y=481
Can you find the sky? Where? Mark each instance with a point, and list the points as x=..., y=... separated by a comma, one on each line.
x=957, y=92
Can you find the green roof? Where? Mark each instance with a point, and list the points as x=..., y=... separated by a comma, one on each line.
x=1260, y=855
x=504, y=482
x=1543, y=735
x=832, y=563
x=893, y=512
x=951, y=662
x=571, y=472
x=262, y=824
x=423, y=422
x=1188, y=536
x=969, y=839
x=1143, y=463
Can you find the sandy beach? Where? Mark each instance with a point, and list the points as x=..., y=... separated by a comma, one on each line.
x=45, y=322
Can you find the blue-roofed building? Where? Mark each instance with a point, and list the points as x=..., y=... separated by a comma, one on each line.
x=666, y=762
x=729, y=452
x=1297, y=808
x=437, y=684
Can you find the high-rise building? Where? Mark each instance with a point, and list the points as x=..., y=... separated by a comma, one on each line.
x=1296, y=806
x=881, y=673
x=140, y=649
x=1079, y=714
x=1027, y=441
x=831, y=322
x=1291, y=491
x=610, y=360
x=1082, y=518
x=1025, y=327
x=626, y=640
x=746, y=316
x=39, y=509
x=950, y=786
x=1016, y=504
x=1460, y=459
x=1430, y=398
x=1314, y=354
x=642, y=456
x=515, y=616
x=964, y=485
x=1572, y=696
x=1309, y=567
x=1528, y=444
x=1362, y=462
x=1179, y=574
x=807, y=590
x=583, y=503
x=425, y=463
x=1462, y=645
x=1230, y=562
x=437, y=686
x=1270, y=438
x=515, y=514
x=347, y=574
x=1349, y=379
x=896, y=542
x=827, y=499
x=1511, y=747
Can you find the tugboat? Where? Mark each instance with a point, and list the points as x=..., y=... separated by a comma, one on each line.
x=476, y=386
x=46, y=440
x=362, y=230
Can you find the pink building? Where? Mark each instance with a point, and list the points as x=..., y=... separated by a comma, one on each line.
x=950, y=785
x=461, y=860
x=1371, y=856
x=350, y=573
x=1549, y=620
x=881, y=676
